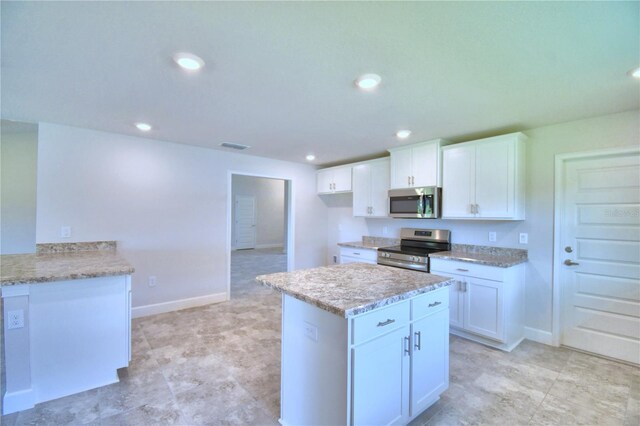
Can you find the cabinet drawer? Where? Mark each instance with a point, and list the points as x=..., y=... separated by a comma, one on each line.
x=364, y=254
x=380, y=321
x=442, y=267
x=429, y=303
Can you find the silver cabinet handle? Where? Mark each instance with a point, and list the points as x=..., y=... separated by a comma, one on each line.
x=387, y=322
x=477, y=209
x=462, y=270
x=407, y=347
x=417, y=340
x=355, y=253
x=413, y=182
x=465, y=286
x=471, y=209
x=431, y=305
x=409, y=180
x=570, y=262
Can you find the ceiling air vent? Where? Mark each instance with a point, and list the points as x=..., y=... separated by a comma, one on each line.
x=237, y=146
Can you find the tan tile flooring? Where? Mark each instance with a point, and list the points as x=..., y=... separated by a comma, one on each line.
x=219, y=364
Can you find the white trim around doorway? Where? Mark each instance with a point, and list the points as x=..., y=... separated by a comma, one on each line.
x=560, y=160
x=289, y=212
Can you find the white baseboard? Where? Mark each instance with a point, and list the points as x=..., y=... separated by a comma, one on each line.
x=537, y=335
x=17, y=401
x=176, y=305
x=264, y=246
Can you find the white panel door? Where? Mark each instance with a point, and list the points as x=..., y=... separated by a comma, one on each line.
x=401, y=169
x=495, y=179
x=600, y=240
x=245, y=222
x=379, y=189
x=458, y=182
x=424, y=165
x=381, y=380
x=483, y=307
x=342, y=179
x=361, y=190
x=429, y=360
x=324, y=181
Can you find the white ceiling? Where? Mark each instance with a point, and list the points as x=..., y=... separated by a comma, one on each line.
x=279, y=76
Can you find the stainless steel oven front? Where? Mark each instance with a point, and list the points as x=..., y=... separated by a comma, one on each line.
x=415, y=203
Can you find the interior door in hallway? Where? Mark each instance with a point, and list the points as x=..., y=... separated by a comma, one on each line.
x=245, y=222
x=600, y=255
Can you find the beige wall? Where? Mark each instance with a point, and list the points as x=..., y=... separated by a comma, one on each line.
x=18, y=153
x=269, y=196
x=542, y=146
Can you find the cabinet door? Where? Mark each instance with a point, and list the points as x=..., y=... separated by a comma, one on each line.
x=430, y=360
x=381, y=380
x=324, y=179
x=379, y=189
x=483, y=310
x=458, y=182
x=400, y=168
x=424, y=164
x=495, y=179
x=342, y=179
x=361, y=190
x=456, y=303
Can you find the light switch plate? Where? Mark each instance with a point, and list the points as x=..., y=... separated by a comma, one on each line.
x=311, y=331
x=492, y=237
x=524, y=238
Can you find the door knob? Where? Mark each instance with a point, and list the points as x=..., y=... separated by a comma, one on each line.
x=568, y=249
x=570, y=262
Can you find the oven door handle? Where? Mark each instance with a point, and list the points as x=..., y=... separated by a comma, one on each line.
x=423, y=197
x=419, y=266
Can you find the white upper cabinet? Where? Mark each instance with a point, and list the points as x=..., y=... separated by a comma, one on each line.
x=370, y=188
x=417, y=165
x=334, y=179
x=485, y=179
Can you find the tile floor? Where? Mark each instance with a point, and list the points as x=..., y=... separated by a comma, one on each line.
x=219, y=364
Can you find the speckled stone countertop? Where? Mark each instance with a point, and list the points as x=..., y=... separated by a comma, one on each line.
x=353, y=288
x=62, y=263
x=372, y=243
x=484, y=255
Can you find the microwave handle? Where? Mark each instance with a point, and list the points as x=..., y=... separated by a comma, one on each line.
x=424, y=204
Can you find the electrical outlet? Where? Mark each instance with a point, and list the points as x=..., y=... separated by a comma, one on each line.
x=65, y=232
x=152, y=281
x=311, y=331
x=524, y=238
x=492, y=237
x=15, y=319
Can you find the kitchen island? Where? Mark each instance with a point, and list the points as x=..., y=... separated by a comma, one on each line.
x=361, y=343
x=67, y=322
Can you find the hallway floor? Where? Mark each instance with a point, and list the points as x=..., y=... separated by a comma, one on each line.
x=220, y=364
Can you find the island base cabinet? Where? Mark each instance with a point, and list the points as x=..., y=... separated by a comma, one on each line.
x=380, y=367
x=76, y=335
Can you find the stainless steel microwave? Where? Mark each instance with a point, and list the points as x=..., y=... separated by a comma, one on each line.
x=415, y=203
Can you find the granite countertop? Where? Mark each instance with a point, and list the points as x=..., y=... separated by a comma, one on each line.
x=484, y=255
x=371, y=243
x=354, y=288
x=59, y=265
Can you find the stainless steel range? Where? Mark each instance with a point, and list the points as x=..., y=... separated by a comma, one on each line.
x=415, y=247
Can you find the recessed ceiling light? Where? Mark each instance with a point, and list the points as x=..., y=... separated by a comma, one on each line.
x=403, y=134
x=143, y=127
x=368, y=81
x=310, y=157
x=635, y=73
x=188, y=61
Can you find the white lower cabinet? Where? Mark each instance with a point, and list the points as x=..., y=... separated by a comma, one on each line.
x=486, y=302
x=351, y=255
x=394, y=361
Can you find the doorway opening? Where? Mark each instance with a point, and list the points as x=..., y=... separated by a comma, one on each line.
x=260, y=229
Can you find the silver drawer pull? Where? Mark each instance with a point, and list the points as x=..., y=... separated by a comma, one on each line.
x=463, y=270
x=387, y=322
x=356, y=253
x=431, y=305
